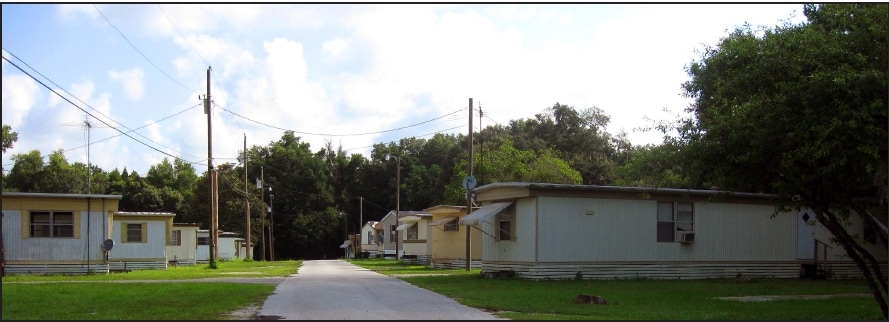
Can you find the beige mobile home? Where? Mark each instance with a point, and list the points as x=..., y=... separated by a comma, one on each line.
x=55, y=233
x=415, y=232
x=539, y=231
x=448, y=239
x=182, y=249
x=141, y=240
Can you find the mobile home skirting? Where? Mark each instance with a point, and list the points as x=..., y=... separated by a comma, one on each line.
x=667, y=270
x=453, y=264
x=138, y=264
x=25, y=268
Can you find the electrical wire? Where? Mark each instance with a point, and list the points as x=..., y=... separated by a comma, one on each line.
x=84, y=103
x=329, y=134
x=88, y=113
x=140, y=52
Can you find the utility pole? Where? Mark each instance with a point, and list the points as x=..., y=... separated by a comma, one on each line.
x=481, y=141
x=360, y=221
x=262, y=216
x=272, y=226
x=469, y=193
x=249, y=254
x=211, y=175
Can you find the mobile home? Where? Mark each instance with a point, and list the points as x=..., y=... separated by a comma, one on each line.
x=540, y=231
x=55, y=233
x=141, y=240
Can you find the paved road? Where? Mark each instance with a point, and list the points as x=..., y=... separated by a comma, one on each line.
x=338, y=290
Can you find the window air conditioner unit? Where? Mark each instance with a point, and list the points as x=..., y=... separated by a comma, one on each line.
x=686, y=237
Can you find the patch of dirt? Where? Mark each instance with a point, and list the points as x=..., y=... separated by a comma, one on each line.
x=245, y=313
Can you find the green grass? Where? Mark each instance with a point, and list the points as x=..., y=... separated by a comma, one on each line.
x=129, y=301
x=225, y=269
x=22, y=299
x=646, y=299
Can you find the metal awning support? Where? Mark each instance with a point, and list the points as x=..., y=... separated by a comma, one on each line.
x=442, y=221
x=478, y=216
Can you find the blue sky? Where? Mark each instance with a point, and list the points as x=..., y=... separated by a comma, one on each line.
x=337, y=72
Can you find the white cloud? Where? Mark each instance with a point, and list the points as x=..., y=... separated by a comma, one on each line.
x=20, y=94
x=131, y=80
x=334, y=48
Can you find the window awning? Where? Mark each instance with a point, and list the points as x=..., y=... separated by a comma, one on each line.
x=404, y=226
x=441, y=221
x=476, y=217
x=345, y=244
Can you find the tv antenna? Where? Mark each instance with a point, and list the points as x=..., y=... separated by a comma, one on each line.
x=87, y=126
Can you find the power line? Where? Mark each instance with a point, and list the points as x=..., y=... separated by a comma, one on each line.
x=328, y=134
x=140, y=52
x=183, y=36
x=97, y=111
x=427, y=134
x=88, y=113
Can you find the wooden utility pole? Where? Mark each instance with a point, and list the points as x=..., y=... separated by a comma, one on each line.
x=271, y=226
x=249, y=254
x=210, y=174
x=262, y=216
x=469, y=194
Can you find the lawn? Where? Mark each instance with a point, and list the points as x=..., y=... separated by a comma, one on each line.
x=99, y=298
x=641, y=299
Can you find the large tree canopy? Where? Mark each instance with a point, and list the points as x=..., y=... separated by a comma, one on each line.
x=799, y=111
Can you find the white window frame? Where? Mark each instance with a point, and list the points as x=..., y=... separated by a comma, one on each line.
x=507, y=217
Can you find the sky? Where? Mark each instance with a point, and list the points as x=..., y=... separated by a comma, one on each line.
x=351, y=75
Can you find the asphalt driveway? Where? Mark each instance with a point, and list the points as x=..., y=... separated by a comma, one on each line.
x=338, y=290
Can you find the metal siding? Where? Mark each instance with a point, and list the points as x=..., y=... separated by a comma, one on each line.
x=186, y=251
x=53, y=249
x=521, y=248
x=738, y=232
x=618, y=230
x=227, y=247
x=154, y=247
x=448, y=245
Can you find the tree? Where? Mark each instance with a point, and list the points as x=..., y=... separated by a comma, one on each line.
x=9, y=137
x=578, y=137
x=509, y=164
x=799, y=111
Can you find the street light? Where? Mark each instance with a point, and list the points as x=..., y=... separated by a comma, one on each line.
x=397, y=197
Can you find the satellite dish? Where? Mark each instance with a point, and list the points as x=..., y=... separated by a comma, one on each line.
x=469, y=182
x=108, y=244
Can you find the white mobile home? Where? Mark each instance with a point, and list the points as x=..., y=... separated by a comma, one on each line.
x=55, y=233
x=230, y=245
x=182, y=249
x=387, y=233
x=369, y=238
x=539, y=231
x=141, y=240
